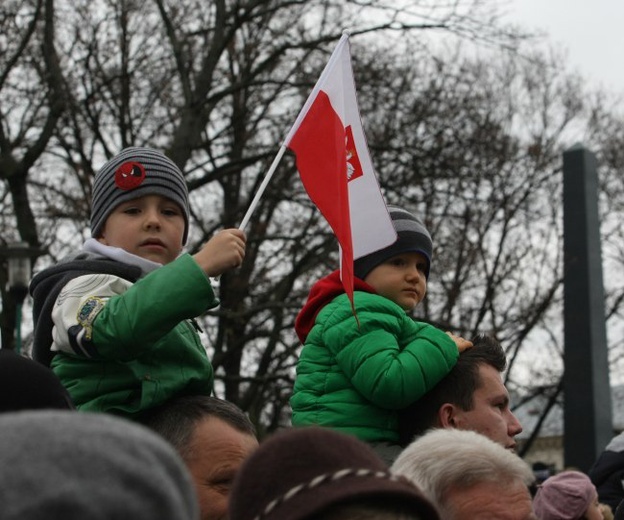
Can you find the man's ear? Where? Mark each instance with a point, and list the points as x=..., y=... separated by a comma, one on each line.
x=447, y=416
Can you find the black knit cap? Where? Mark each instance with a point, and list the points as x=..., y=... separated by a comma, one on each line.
x=132, y=173
x=412, y=237
x=298, y=473
x=28, y=385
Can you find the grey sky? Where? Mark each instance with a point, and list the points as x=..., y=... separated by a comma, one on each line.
x=592, y=31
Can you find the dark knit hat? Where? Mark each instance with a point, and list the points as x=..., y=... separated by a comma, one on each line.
x=132, y=173
x=28, y=385
x=565, y=496
x=413, y=237
x=298, y=473
x=74, y=465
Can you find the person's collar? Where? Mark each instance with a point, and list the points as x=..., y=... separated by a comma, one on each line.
x=92, y=245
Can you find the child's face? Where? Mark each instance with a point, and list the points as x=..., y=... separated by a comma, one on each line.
x=401, y=279
x=151, y=227
x=594, y=511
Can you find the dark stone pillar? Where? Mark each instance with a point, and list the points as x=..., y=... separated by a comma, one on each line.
x=587, y=409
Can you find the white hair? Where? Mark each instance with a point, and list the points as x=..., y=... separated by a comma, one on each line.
x=447, y=459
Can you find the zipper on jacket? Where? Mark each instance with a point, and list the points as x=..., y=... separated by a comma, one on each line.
x=196, y=325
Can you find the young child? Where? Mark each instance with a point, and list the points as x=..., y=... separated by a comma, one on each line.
x=115, y=320
x=355, y=377
x=569, y=495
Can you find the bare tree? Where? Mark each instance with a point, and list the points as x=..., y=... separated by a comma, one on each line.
x=32, y=103
x=472, y=144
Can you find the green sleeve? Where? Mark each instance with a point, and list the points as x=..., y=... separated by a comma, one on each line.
x=389, y=358
x=153, y=306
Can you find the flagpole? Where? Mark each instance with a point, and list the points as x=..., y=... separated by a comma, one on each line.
x=343, y=41
x=262, y=187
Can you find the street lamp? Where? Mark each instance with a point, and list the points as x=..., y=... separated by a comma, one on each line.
x=18, y=259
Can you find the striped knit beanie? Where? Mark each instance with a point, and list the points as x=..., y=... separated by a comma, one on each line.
x=413, y=237
x=133, y=173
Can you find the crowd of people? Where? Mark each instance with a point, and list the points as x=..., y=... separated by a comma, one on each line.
x=115, y=417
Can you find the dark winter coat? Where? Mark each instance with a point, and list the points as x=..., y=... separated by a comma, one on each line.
x=607, y=473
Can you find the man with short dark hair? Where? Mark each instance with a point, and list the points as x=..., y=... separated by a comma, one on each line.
x=213, y=437
x=471, y=397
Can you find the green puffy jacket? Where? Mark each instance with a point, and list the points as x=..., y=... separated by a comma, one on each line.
x=141, y=348
x=355, y=379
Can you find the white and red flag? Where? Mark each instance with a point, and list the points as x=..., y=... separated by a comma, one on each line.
x=335, y=165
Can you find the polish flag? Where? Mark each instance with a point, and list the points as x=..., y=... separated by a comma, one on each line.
x=335, y=165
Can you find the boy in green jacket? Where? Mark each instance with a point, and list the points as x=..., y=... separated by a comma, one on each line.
x=115, y=320
x=354, y=375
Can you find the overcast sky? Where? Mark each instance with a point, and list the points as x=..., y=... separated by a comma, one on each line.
x=591, y=30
